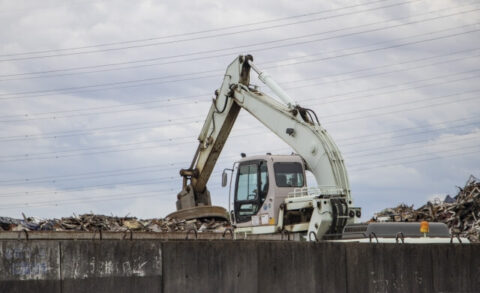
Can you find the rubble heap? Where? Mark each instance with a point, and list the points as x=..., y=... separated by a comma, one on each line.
x=461, y=213
x=92, y=223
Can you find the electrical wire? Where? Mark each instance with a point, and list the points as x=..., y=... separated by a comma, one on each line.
x=400, y=147
x=79, y=152
x=93, y=187
x=204, y=37
x=393, y=160
x=408, y=109
x=144, y=82
x=156, y=124
x=88, y=88
x=136, y=195
x=151, y=182
x=223, y=28
x=359, y=139
x=204, y=52
x=115, y=196
x=131, y=127
x=171, y=99
x=389, y=165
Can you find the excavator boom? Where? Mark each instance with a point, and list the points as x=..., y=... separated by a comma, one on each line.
x=216, y=128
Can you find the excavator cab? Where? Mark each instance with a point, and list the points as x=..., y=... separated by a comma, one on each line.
x=261, y=185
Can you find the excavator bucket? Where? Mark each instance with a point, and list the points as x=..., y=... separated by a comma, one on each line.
x=201, y=212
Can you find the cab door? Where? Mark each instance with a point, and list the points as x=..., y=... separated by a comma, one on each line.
x=251, y=189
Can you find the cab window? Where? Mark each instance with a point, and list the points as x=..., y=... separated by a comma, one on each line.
x=247, y=182
x=251, y=189
x=288, y=174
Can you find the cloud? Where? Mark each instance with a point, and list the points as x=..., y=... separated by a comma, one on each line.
x=373, y=91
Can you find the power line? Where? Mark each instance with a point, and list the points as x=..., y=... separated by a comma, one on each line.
x=98, y=174
x=56, y=154
x=390, y=65
x=170, y=99
x=206, y=37
x=130, y=194
x=144, y=82
x=102, y=112
x=356, y=71
x=117, y=196
x=138, y=195
x=215, y=50
x=366, y=96
x=150, y=125
x=50, y=154
x=412, y=145
x=463, y=154
x=89, y=109
x=392, y=160
x=90, y=187
x=93, y=174
x=427, y=131
x=385, y=73
x=149, y=79
x=411, y=109
x=393, y=91
x=191, y=33
x=151, y=168
x=83, y=188
x=384, y=48
x=409, y=157
x=110, y=174
x=373, y=152
x=95, y=151
x=73, y=89
x=115, y=128
x=263, y=43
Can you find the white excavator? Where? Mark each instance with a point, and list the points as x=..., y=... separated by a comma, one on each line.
x=270, y=192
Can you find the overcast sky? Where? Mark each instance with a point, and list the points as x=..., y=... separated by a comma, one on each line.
x=101, y=102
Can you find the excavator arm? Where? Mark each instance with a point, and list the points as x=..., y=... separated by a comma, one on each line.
x=218, y=124
x=297, y=126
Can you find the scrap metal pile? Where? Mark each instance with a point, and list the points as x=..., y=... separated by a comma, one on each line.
x=92, y=223
x=461, y=213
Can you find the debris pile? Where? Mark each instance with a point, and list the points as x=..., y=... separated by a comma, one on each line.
x=92, y=223
x=461, y=213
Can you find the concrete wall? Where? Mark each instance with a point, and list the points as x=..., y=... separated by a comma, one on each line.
x=235, y=266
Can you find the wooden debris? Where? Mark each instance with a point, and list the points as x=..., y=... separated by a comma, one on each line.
x=461, y=213
x=92, y=223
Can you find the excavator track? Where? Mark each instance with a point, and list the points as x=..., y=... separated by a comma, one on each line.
x=200, y=212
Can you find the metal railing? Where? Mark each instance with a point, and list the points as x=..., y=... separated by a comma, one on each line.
x=316, y=191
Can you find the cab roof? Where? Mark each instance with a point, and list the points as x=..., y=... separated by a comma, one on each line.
x=274, y=158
